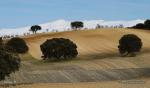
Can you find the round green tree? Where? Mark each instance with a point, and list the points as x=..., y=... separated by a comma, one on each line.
x=129, y=44
x=77, y=24
x=35, y=28
x=59, y=48
x=18, y=44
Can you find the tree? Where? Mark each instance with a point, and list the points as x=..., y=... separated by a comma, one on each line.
x=9, y=62
x=98, y=26
x=35, y=28
x=58, y=48
x=121, y=26
x=147, y=24
x=144, y=26
x=47, y=30
x=129, y=44
x=139, y=26
x=1, y=41
x=77, y=24
x=18, y=44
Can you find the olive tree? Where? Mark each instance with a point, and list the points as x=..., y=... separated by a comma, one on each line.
x=129, y=44
x=35, y=28
x=77, y=24
x=18, y=44
x=59, y=48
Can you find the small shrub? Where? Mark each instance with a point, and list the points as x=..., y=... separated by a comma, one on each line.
x=129, y=44
x=18, y=44
x=59, y=48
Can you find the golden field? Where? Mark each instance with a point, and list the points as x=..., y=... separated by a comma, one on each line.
x=98, y=64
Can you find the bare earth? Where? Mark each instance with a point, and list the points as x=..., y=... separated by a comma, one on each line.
x=98, y=64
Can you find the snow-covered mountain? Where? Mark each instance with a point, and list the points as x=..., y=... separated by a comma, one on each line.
x=62, y=25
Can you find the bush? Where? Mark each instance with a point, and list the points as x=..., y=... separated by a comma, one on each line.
x=129, y=44
x=9, y=62
x=59, y=48
x=18, y=44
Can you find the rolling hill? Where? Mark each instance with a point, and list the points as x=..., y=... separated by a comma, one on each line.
x=97, y=65
x=89, y=42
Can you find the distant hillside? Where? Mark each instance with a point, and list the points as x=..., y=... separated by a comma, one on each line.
x=62, y=25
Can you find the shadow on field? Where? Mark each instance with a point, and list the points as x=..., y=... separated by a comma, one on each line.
x=112, y=55
x=99, y=56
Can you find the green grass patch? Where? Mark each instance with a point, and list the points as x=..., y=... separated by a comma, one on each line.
x=26, y=57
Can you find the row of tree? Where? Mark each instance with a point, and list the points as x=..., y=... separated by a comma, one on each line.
x=75, y=26
x=106, y=26
x=145, y=25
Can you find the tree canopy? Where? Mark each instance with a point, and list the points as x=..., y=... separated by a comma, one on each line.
x=129, y=44
x=77, y=24
x=35, y=28
x=59, y=48
x=18, y=44
x=145, y=25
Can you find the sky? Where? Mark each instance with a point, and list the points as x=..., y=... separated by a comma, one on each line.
x=20, y=13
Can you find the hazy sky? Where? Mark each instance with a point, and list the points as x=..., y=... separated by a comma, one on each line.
x=18, y=13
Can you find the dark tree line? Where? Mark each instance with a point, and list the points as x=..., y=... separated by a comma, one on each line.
x=145, y=25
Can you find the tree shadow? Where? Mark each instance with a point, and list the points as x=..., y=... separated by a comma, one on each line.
x=104, y=55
